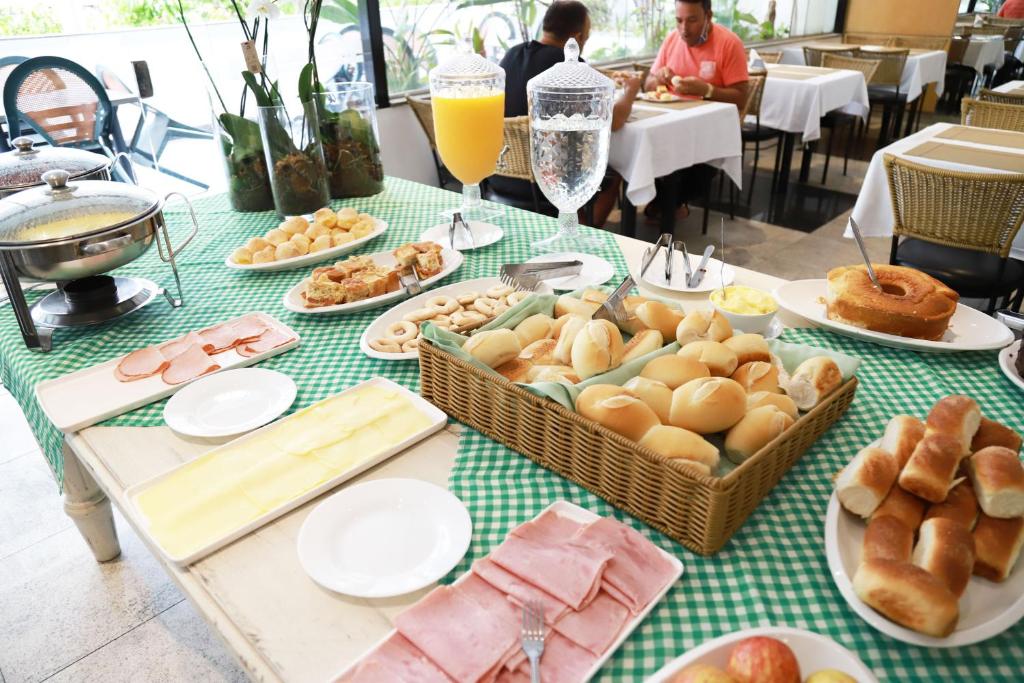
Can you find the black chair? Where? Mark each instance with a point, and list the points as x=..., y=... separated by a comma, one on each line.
x=884, y=90
x=754, y=132
x=837, y=120
x=960, y=78
x=7, y=65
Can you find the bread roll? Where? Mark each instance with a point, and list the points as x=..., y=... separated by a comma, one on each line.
x=945, y=549
x=535, y=328
x=682, y=444
x=749, y=348
x=864, y=483
x=708, y=404
x=901, y=436
x=813, y=380
x=553, y=373
x=654, y=393
x=769, y=398
x=958, y=416
x=566, y=336
x=567, y=304
x=908, y=595
x=992, y=433
x=903, y=506
x=960, y=506
x=997, y=544
x=930, y=470
x=540, y=352
x=657, y=316
x=998, y=478
x=515, y=370
x=287, y=250
x=624, y=413
x=720, y=359
x=674, y=370
x=757, y=375
x=753, y=431
x=595, y=296
x=887, y=538
x=596, y=349
x=493, y=347
x=642, y=343
x=703, y=326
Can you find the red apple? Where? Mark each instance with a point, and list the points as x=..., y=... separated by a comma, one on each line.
x=703, y=673
x=763, y=660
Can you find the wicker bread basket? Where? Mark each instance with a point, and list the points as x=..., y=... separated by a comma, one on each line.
x=699, y=511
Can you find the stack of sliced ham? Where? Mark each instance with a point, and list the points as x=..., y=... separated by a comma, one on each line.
x=190, y=356
x=591, y=579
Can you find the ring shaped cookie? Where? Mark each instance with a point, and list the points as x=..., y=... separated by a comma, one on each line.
x=411, y=345
x=498, y=291
x=385, y=345
x=402, y=331
x=487, y=306
x=419, y=315
x=442, y=304
x=463, y=318
x=516, y=297
x=468, y=298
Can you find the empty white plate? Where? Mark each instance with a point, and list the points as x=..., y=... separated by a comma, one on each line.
x=483, y=235
x=595, y=270
x=383, y=538
x=229, y=403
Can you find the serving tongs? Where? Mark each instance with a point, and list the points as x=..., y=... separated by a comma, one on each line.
x=614, y=309
x=411, y=282
x=664, y=241
x=459, y=222
x=526, y=277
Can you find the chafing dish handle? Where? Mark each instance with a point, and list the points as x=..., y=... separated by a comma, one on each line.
x=172, y=252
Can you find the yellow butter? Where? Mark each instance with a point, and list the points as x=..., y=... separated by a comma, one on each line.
x=79, y=225
x=744, y=300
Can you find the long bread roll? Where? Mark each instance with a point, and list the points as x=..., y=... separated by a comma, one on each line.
x=901, y=436
x=992, y=433
x=902, y=505
x=960, y=506
x=864, y=483
x=908, y=595
x=957, y=416
x=945, y=550
x=998, y=478
x=997, y=545
x=887, y=538
x=932, y=466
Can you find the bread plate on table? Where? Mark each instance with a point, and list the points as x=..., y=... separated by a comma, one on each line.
x=813, y=653
x=715, y=276
x=969, y=329
x=310, y=258
x=293, y=300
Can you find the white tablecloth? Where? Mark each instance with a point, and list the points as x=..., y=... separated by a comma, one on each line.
x=796, y=106
x=653, y=147
x=873, y=210
x=921, y=69
x=984, y=50
x=1010, y=86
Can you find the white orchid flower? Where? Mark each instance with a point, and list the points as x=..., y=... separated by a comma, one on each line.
x=265, y=9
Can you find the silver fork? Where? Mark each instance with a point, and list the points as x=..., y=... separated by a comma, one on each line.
x=533, y=636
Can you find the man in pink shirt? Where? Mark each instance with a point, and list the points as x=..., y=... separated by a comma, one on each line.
x=700, y=58
x=1012, y=9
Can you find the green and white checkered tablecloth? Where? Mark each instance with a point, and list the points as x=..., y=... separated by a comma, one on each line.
x=773, y=571
x=328, y=359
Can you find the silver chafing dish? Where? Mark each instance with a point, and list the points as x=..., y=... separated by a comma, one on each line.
x=23, y=167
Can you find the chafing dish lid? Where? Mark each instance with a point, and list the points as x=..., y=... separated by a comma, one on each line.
x=23, y=167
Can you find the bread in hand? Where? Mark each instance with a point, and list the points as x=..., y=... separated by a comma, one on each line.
x=865, y=482
x=998, y=478
x=907, y=595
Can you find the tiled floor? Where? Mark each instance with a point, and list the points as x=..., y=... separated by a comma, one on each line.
x=63, y=617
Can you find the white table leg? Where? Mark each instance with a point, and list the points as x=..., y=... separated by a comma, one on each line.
x=88, y=507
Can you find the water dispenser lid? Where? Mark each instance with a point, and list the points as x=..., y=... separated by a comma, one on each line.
x=571, y=76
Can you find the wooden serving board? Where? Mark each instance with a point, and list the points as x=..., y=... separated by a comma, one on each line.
x=81, y=399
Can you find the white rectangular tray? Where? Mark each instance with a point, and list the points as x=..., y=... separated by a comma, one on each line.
x=91, y=395
x=578, y=514
x=437, y=422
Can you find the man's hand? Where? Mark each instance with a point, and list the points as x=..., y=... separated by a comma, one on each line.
x=664, y=76
x=691, y=85
x=632, y=86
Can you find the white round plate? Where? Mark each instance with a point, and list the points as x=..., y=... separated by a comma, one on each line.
x=309, y=259
x=712, y=280
x=986, y=608
x=595, y=271
x=1007, y=360
x=377, y=328
x=484, y=234
x=969, y=329
x=451, y=260
x=654, y=97
x=229, y=403
x=383, y=538
x=813, y=652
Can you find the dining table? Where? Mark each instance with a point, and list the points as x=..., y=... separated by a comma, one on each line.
x=984, y=50
x=282, y=626
x=1011, y=88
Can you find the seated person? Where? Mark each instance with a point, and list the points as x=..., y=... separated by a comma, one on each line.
x=1012, y=9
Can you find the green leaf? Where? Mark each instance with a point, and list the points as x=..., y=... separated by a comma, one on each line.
x=340, y=12
x=478, y=3
x=262, y=98
x=306, y=83
x=478, y=41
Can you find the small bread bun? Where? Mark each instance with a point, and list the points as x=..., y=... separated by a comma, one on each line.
x=301, y=240
x=657, y=316
x=997, y=544
x=992, y=433
x=596, y=349
x=929, y=472
x=901, y=437
x=957, y=416
x=708, y=404
x=757, y=375
x=864, y=483
x=768, y=398
x=567, y=332
x=277, y=236
x=904, y=506
x=674, y=370
x=754, y=430
x=493, y=347
x=720, y=359
x=515, y=370
x=296, y=225
x=945, y=549
x=265, y=255
x=642, y=343
x=540, y=352
x=908, y=595
x=534, y=328
x=749, y=347
x=553, y=373
x=998, y=478
x=257, y=244
x=703, y=326
x=813, y=380
x=567, y=304
x=242, y=256
x=286, y=250
x=320, y=244
x=654, y=393
x=961, y=506
x=682, y=444
x=623, y=413
x=325, y=216
x=887, y=538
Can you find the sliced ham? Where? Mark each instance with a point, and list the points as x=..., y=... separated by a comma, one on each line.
x=519, y=591
x=140, y=364
x=192, y=363
x=595, y=627
x=548, y=526
x=562, y=661
x=219, y=338
x=568, y=571
x=249, y=328
x=637, y=571
x=270, y=339
x=516, y=676
x=396, y=659
x=176, y=347
x=467, y=641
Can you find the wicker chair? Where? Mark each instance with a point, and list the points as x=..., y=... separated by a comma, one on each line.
x=884, y=90
x=958, y=227
x=867, y=39
x=770, y=57
x=921, y=42
x=960, y=77
x=7, y=65
x=834, y=120
x=986, y=95
x=513, y=182
x=424, y=112
x=813, y=55
x=753, y=131
x=989, y=30
x=991, y=115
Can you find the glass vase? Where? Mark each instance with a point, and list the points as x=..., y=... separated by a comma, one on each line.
x=245, y=168
x=295, y=157
x=348, y=132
